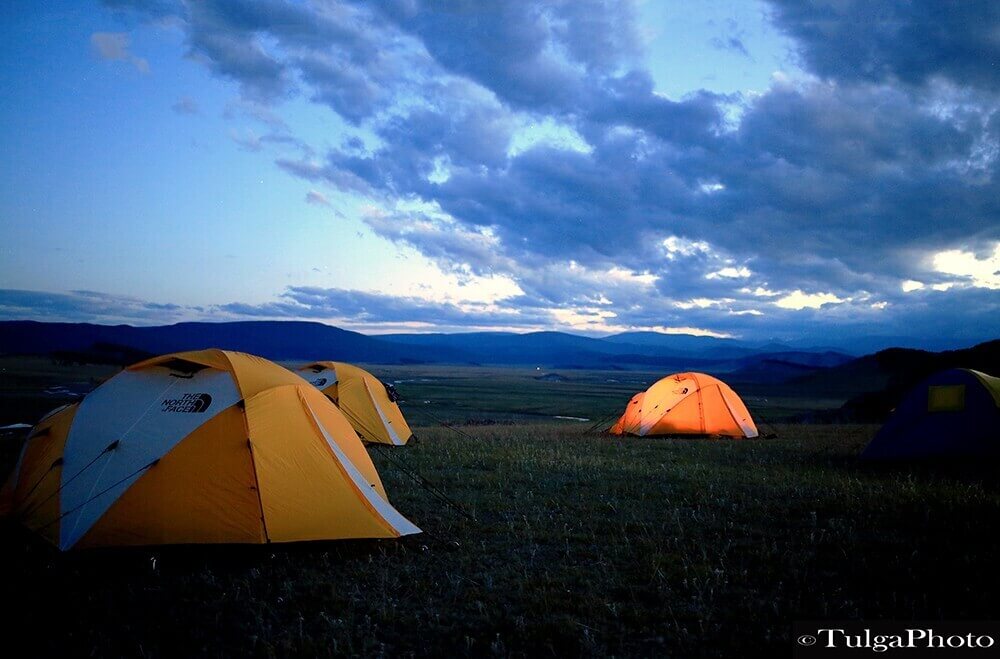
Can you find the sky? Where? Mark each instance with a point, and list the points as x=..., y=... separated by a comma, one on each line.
x=793, y=170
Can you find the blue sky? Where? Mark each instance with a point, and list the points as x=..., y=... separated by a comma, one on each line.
x=757, y=170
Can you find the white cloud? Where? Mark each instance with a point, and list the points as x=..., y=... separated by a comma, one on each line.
x=442, y=170
x=801, y=300
x=676, y=246
x=625, y=275
x=694, y=331
x=549, y=132
x=701, y=303
x=760, y=291
x=982, y=273
x=730, y=272
x=911, y=285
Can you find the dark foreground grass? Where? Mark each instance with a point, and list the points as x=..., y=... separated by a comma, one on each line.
x=582, y=545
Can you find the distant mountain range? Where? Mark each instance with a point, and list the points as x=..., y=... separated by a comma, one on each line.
x=290, y=340
x=740, y=361
x=273, y=339
x=885, y=377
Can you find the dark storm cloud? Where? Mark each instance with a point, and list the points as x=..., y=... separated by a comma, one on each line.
x=452, y=246
x=224, y=35
x=87, y=306
x=230, y=35
x=849, y=176
x=341, y=87
x=815, y=187
x=841, y=185
x=912, y=41
x=475, y=135
x=365, y=308
x=630, y=100
x=263, y=44
x=259, y=73
x=531, y=55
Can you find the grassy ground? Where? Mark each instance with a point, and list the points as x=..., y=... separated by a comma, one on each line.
x=480, y=394
x=468, y=394
x=581, y=545
x=24, y=381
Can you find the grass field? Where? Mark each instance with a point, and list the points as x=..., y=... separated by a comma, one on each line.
x=479, y=394
x=469, y=394
x=581, y=544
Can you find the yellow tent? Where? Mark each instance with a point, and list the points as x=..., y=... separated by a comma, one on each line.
x=686, y=404
x=200, y=447
x=364, y=400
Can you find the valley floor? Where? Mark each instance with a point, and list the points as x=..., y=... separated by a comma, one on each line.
x=581, y=544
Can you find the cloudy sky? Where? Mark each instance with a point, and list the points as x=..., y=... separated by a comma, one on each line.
x=778, y=169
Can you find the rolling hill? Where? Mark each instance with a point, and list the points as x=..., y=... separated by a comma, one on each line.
x=809, y=369
x=886, y=376
x=310, y=340
x=685, y=343
x=272, y=339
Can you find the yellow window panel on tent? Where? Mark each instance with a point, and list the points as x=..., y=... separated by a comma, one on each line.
x=946, y=398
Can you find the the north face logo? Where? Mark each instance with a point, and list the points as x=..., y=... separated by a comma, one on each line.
x=188, y=403
x=319, y=382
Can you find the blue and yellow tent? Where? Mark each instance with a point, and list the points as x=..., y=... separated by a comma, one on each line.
x=952, y=413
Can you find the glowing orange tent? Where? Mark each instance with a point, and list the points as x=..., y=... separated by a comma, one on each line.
x=199, y=447
x=686, y=404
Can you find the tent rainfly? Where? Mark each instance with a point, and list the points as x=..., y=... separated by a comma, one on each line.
x=952, y=413
x=367, y=402
x=686, y=404
x=199, y=447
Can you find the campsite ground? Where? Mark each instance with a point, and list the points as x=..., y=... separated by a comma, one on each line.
x=581, y=544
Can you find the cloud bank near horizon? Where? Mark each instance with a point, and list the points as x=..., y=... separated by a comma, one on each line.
x=374, y=313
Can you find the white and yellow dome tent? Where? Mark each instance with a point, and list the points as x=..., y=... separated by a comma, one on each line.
x=200, y=447
x=365, y=400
